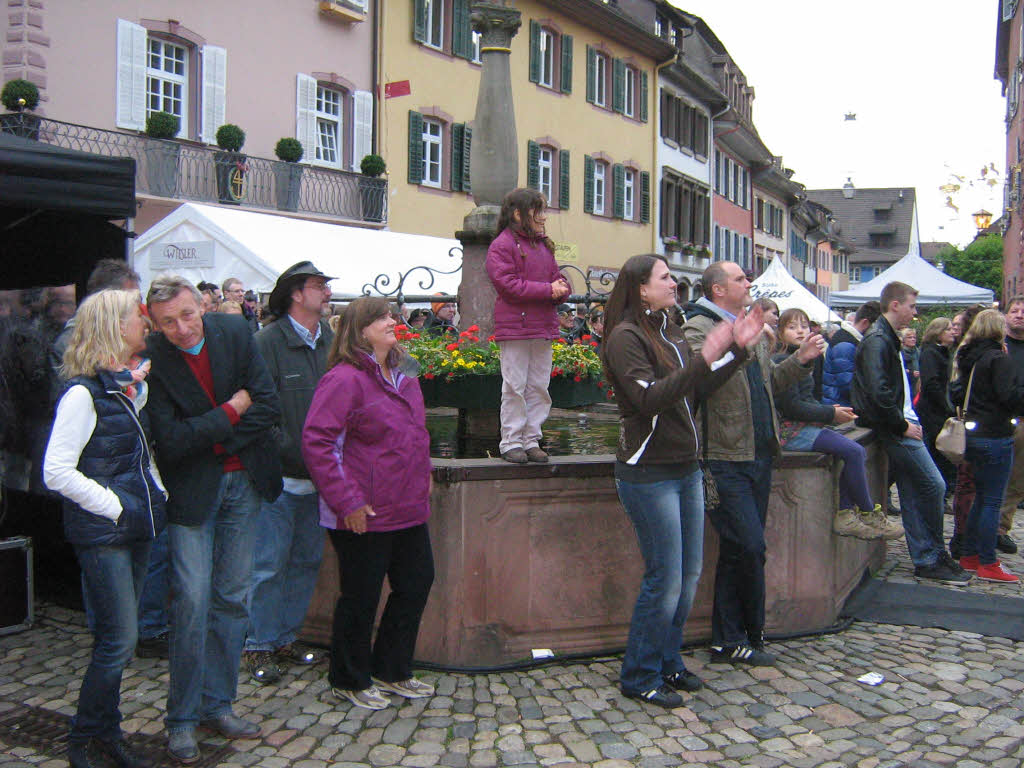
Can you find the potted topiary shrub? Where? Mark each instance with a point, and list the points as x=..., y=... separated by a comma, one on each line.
x=19, y=97
x=230, y=164
x=162, y=155
x=288, y=174
x=372, y=189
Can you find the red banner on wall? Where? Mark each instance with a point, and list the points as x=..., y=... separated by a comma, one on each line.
x=397, y=88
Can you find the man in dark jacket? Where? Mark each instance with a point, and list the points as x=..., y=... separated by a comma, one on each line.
x=214, y=411
x=881, y=396
x=289, y=542
x=1015, y=488
x=837, y=372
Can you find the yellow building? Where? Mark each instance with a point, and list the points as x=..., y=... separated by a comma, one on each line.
x=583, y=80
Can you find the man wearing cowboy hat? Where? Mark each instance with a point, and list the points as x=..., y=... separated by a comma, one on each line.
x=290, y=541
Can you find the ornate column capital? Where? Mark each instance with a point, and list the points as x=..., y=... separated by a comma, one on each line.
x=497, y=24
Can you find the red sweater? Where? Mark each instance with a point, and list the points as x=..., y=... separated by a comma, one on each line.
x=200, y=367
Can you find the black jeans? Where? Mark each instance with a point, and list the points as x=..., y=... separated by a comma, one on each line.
x=743, y=487
x=405, y=557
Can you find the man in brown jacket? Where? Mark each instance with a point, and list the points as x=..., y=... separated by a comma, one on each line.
x=740, y=430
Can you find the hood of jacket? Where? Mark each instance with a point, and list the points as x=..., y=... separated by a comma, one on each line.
x=702, y=307
x=969, y=354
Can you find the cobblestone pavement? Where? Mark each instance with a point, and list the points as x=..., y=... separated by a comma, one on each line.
x=949, y=699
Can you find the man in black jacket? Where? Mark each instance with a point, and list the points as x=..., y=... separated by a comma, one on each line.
x=214, y=411
x=289, y=541
x=880, y=392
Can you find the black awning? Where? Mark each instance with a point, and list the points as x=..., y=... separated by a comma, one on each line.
x=38, y=176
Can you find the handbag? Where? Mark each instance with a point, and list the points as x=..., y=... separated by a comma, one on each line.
x=951, y=441
x=711, y=498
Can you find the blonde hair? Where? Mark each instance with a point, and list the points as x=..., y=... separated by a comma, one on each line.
x=989, y=324
x=906, y=332
x=97, y=340
x=935, y=329
x=230, y=308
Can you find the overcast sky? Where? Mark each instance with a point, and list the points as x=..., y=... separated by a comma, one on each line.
x=917, y=73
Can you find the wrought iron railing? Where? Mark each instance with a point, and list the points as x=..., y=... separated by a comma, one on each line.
x=193, y=172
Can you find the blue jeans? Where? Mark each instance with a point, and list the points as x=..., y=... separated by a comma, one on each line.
x=922, y=491
x=286, y=561
x=991, y=458
x=737, y=617
x=668, y=517
x=153, y=606
x=211, y=567
x=113, y=579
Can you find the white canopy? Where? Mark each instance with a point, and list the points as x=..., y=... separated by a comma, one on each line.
x=213, y=243
x=933, y=285
x=777, y=284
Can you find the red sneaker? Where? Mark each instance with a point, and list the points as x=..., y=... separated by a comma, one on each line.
x=969, y=563
x=996, y=572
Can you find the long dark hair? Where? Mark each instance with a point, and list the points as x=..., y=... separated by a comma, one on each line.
x=527, y=201
x=348, y=345
x=625, y=303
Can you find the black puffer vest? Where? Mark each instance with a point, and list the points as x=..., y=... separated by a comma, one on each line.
x=117, y=457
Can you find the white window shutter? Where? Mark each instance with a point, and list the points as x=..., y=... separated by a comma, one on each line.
x=362, y=127
x=305, y=115
x=215, y=78
x=131, y=75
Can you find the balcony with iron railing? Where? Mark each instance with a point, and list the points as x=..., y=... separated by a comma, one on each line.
x=187, y=171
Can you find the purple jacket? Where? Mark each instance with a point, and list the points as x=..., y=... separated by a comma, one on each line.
x=522, y=270
x=365, y=442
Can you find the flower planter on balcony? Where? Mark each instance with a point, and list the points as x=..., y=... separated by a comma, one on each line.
x=288, y=185
x=372, y=192
x=230, y=168
x=20, y=124
x=162, y=167
x=481, y=392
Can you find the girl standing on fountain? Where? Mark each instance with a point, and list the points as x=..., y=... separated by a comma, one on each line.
x=521, y=265
x=657, y=379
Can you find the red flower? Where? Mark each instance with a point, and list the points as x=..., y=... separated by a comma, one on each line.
x=585, y=337
x=593, y=343
x=553, y=374
x=561, y=340
x=401, y=328
x=464, y=334
x=428, y=375
x=600, y=384
x=577, y=378
x=473, y=328
x=416, y=336
x=474, y=338
x=452, y=347
x=491, y=337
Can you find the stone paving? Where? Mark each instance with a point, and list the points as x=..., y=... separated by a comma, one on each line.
x=949, y=699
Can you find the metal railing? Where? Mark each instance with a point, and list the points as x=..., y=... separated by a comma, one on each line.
x=193, y=172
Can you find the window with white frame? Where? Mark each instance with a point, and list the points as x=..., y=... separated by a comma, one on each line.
x=629, y=101
x=547, y=58
x=435, y=23
x=432, y=152
x=600, y=173
x=601, y=80
x=167, y=79
x=476, y=48
x=628, y=194
x=546, y=169
x=329, y=117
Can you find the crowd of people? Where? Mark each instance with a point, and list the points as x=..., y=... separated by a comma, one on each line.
x=203, y=444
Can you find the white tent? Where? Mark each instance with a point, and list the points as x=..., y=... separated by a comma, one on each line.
x=933, y=285
x=777, y=284
x=213, y=243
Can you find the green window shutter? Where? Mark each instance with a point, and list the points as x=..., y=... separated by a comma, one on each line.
x=458, y=129
x=643, y=97
x=565, y=82
x=619, y=191
x=563, y=179
x=415, y=147
x=619, y=85
x=533, y=165
x=419, y=21
x=591, y=74
x=588, y=184
x=462, y=33
x=467, y=145
x=645, y=197
x=534, y=51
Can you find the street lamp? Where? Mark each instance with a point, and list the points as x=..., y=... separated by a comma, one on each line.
x=982, y=219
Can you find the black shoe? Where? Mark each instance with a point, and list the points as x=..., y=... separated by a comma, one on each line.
x=1005, y=544
x=953, y=565
x=684, y=680
x=662, y=696
x=82, y=754
x=122, y=755
x=153, y=647
x=741, y=654
x=955, y=550
x=943, y=573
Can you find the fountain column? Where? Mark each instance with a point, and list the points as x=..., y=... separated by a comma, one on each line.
x=494, y=159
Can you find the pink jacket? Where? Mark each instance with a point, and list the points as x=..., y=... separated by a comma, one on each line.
x=522, y=270
x=364, y=442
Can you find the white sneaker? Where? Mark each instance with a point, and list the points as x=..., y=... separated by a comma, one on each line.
x=368, y=698
x=410, y=689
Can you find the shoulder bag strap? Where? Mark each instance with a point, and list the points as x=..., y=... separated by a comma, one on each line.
x=967, y=396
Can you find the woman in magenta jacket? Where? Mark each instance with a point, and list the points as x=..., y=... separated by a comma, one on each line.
x=366, y=446
x=521, y=265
